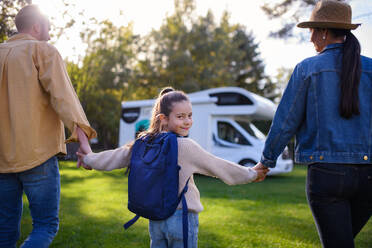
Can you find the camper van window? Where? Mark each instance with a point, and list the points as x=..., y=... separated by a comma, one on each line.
x=232, y=98
x=228, y=133
x=251, y=129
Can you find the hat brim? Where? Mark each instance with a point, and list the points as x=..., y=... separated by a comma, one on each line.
x=336, y=25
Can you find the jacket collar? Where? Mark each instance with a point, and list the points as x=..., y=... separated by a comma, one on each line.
x=332, y=46
x=21, y=36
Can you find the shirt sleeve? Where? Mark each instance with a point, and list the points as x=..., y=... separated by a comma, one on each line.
x=110, y=159
x=54, y=79
x=288, y=117
x=205, y=163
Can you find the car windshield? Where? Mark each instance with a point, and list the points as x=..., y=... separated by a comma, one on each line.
x=228, y=133
x=251, y=129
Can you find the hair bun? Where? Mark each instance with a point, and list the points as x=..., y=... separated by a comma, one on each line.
x=166, y=90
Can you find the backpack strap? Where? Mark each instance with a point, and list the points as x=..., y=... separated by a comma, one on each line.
x=185, y=222
x=185, y=213
x=131, y=222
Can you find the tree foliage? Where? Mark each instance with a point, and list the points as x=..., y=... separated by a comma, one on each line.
x=192, y=53
x=289, y=12
x=188, y=52
x=8, y=11
x=280, y=80
x=101, y=78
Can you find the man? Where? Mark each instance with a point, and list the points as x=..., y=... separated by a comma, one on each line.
x=36, y=101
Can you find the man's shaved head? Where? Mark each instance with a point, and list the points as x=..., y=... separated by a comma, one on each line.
x=28, y=16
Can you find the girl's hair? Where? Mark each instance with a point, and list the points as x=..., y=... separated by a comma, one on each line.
x=350, y=74
x=163, y=105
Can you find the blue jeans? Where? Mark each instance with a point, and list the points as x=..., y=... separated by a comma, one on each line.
x=168, y=233
x=340, y=198
x=42, y=188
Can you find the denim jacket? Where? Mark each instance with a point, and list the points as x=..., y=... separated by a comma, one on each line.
x=309, y=109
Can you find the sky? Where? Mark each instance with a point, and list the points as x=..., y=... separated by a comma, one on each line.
x=147, y=15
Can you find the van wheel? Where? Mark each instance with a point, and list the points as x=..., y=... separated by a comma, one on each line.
x=248, y=163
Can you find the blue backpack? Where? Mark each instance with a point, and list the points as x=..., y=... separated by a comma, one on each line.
x=154, y=179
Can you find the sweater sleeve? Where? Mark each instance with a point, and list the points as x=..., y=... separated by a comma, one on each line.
x=110, y=159
x=203, y=162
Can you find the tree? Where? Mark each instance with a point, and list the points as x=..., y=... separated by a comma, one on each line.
x=279, y=81
x=102, y=77
x=289, y=11
x=8, y=11
x=193, y=53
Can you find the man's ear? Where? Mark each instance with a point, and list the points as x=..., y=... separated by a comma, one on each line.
x=36, y=28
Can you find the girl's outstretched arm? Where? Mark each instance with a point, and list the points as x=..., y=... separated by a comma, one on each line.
x=195, y=158
x=107, y=160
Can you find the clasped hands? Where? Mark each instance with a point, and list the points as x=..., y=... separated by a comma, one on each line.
x=83, y=150
x=261, y=170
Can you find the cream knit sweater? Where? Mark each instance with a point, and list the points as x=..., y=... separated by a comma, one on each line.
x=191, y=157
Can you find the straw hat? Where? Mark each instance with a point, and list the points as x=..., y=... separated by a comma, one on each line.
x=330, y=14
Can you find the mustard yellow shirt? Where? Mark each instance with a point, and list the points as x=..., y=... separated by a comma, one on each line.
x=36, y=100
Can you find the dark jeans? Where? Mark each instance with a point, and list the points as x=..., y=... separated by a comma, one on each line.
x=340, y=198
x=42, y=187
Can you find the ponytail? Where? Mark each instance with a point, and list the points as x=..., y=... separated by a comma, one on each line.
x=350, y=74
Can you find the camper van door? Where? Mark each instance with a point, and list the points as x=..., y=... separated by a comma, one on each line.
x=232, y=142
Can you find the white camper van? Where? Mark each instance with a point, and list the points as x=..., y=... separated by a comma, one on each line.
x=222, y=124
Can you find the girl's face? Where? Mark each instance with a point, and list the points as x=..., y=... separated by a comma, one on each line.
x=179, y=120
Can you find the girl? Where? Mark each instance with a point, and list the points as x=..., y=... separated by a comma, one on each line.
x=173, y=112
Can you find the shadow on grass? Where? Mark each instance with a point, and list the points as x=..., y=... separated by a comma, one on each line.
x=81, y=226
x=118, y=173
x=270, y=199
x=288, y=188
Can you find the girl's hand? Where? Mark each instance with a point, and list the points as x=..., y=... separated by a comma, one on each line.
x=80, y=162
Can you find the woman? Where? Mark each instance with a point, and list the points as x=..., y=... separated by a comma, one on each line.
x=327, y=105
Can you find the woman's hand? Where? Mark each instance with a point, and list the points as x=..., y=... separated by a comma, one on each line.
x=261, y=171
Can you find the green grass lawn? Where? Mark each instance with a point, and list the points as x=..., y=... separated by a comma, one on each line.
x=273, y=213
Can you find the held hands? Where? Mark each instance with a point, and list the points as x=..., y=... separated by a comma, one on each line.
x=83, y=150
x=261, y=170
x=80, y=160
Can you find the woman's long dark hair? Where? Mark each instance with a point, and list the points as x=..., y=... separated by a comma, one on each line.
x=350, y=74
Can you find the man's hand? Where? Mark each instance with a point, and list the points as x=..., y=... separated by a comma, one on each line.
x=261, y=171
x=80, y=160
x=83, y=140
x=84, y=148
